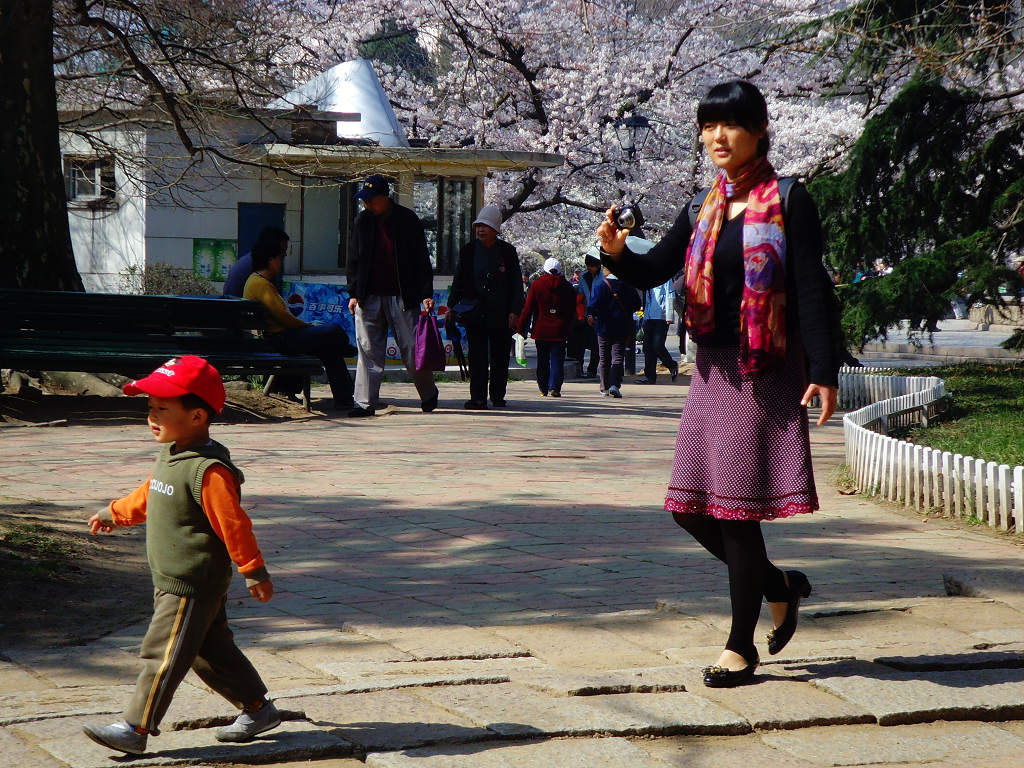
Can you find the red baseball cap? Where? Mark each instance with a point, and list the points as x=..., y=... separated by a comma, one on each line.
x=185, y=375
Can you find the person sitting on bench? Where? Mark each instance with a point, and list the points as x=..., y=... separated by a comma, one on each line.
x=290, y=335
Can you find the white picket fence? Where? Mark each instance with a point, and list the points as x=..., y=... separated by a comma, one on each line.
x=918, y=477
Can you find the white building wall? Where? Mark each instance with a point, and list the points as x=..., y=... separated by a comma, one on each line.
x=205, y=203
x=320, y=228
x=108, y=240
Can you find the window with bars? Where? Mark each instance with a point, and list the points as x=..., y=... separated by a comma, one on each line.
x=446, y=207
x=89, y=179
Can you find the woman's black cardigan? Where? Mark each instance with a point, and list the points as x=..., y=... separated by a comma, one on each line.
x=809, y=299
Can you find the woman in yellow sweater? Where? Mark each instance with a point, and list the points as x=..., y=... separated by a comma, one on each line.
x=291, y=336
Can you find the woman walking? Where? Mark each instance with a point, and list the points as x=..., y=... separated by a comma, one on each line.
x=757, y=305
x=486, y=297
x=551, y=309
x=610, y=312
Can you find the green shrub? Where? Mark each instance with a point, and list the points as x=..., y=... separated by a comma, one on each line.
x=164, y=280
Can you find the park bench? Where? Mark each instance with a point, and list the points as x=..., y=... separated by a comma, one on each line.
x=132, y=335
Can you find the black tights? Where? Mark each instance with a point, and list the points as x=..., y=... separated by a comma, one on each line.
x=740, y=545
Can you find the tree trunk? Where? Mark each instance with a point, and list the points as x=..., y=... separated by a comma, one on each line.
x=35, y=242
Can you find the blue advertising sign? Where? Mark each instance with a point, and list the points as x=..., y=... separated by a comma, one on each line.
x=325, y=303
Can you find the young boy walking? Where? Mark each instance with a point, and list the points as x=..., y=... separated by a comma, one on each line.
x=195, y=528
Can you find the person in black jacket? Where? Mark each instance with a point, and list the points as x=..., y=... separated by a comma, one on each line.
x=488, y=284
x=389, y=276
x=758, y=305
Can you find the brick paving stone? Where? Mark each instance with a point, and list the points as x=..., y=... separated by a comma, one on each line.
x=893, y=626
x=330, y=644
x=18, y=753
x=779, y=700
x=1000, y=636
x=971, y=614
x=555, y=682
x=32, y=704
x=364, y=676
x=72, y=670
x=721, y=752
x=386, y=720
x=995, y=659
x=53, y=728
x=944, y=744
x=512, y=710
x=657, y=631
x=439, y=641
x=564, y=753
x=405, y=539
x=289, y=741
x=895, y=697
x=17, y=679
x=579, y=645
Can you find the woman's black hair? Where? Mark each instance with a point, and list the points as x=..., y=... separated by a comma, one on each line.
x=739, y=102
x=268, y=245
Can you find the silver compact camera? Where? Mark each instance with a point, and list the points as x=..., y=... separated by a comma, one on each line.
x=627, y=216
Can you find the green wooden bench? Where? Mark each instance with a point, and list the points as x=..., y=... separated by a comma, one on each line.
x=132, y=335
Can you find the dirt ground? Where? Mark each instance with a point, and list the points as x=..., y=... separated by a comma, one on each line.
x=60, y=586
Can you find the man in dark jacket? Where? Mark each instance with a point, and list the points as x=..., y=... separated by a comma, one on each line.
x=488, y=277
x=389, y=276
x=583, y=335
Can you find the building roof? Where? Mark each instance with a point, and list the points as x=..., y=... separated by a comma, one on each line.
x=358, y=161
x=351, y=86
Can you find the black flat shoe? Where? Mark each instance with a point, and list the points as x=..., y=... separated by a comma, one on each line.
x=720, y=677
x=799, y=587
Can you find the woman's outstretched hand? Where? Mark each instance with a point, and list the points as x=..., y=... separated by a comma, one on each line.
x=829, y=396
x=613, y=239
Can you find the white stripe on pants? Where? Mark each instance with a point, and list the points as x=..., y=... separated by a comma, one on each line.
x=374, y=315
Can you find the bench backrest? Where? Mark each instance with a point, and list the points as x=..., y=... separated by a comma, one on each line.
x=29, y=310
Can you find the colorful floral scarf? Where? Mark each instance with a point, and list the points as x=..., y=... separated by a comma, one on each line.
x=763, y=305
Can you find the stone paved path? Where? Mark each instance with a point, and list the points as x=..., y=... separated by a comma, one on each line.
x=477, y=589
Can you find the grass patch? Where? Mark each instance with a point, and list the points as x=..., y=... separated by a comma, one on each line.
x=34, y=548
x=986, y=419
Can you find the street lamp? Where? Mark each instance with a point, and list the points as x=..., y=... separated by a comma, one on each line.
x=632, y=133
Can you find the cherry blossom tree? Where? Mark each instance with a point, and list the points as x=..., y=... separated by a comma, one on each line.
x=548, y=75
x=556, y=76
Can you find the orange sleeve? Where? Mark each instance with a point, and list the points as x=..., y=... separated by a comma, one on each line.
x=230, y=522
x=131, y=510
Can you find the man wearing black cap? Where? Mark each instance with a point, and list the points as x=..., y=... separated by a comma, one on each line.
x=389, y=276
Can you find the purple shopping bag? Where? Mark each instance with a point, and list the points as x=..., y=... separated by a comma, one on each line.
x=429, y=347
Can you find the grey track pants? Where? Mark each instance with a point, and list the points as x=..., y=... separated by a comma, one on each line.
x=189, y=633
x=374, y=315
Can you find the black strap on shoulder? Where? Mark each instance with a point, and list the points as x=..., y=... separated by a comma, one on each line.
x=785, y=187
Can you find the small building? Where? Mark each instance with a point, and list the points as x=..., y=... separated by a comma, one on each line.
x=135, y=199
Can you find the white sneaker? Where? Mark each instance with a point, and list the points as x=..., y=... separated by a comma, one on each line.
x=120, y=736
x=614, y=391
x=604, y=392
x=250, y=724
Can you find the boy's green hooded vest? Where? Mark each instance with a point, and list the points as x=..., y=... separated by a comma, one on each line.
x=186, y=557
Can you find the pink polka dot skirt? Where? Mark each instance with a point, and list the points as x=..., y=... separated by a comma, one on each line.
x=743, y=448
